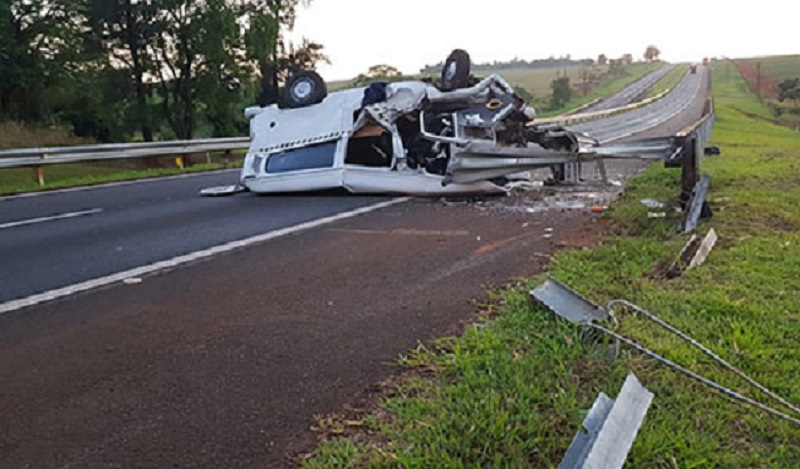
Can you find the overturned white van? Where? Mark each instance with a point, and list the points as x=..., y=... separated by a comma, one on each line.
x=401, y=138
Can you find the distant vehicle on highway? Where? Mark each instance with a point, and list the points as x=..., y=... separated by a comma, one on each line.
x=693, y=69
x=413, y=137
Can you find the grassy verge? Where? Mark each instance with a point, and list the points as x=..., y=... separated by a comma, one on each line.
x=512, y=392
x=780, y=67
x=14, y=181
x=669, y=81
x=606, y=88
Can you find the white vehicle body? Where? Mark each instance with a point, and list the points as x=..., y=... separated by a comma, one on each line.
x=408, y=138
x=309, y=149
x=322, y=146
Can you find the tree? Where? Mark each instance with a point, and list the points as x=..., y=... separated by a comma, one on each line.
x=652, y=53
x=616, y=67
x=220, y=66
x=295, y=58
x=627, y=59
x=198, y=43
x=40, y=41
x=789, y=89
x=562, y=92
x=383, y=71
x=125, y=30
x=378, y=73
x=276, y=59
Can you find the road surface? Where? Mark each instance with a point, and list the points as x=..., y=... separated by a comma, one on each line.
x=633, y=93
x=224, y=362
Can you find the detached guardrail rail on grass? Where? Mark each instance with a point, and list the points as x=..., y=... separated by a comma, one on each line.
x=37, y=158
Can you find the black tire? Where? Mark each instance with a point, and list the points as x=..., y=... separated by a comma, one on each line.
x=304, y=89
x=456, y=71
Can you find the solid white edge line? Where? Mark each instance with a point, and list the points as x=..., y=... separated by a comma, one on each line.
x=67, y=190
x=63, y=216
x=188, y=258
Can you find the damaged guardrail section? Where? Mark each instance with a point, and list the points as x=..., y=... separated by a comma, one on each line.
x=690, y=148
x=610, y=429
x=577, y=309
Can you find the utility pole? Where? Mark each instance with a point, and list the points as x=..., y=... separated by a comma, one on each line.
x=758, y=80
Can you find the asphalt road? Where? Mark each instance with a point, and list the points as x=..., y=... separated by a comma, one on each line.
x=690, y=91
x=636, y=91
x=224, y=363
x=51, y=241
x=119, y=227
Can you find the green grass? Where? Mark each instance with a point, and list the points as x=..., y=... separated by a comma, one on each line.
x=14, y=181
x=513, y=393
x=779, y=67
x=606, y=88
x=669, y=81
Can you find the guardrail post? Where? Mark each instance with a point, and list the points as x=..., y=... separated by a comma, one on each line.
x=690, y=165
x=38, y=173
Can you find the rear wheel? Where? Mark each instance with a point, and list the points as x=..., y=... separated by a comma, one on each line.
x=456, y=71
x=305, y=89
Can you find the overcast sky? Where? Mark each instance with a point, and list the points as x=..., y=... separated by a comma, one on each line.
x=411, y=33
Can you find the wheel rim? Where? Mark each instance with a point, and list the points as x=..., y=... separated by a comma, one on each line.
x=302, y=90
x=451, y=70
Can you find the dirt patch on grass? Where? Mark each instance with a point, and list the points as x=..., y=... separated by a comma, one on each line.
x=780, y=224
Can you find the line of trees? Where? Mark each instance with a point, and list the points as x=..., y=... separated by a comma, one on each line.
x=118, y=69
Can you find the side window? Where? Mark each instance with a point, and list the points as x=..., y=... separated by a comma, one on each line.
x=311, y=157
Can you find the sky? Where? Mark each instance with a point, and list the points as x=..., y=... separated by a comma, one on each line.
x=409, y=34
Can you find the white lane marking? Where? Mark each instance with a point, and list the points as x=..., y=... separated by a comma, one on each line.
x=65, y=216
x=660, y=119
x=187, y=258
x=27, y=195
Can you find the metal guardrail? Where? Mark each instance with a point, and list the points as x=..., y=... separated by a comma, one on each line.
x=37, y=158
x=33, y=157
x=610, y=429
x=568, y=119
x=690, y=144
